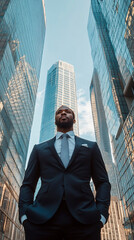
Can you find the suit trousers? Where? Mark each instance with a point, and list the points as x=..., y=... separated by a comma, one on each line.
x=62, y=226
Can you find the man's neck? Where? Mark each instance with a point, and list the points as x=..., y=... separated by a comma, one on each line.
x=64, y=130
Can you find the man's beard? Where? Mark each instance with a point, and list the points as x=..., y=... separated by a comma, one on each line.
x=64, y=125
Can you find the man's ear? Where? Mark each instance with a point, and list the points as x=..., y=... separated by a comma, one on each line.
x=74, y=121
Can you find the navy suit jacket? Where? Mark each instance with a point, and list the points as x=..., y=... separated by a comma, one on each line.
x=73, y=181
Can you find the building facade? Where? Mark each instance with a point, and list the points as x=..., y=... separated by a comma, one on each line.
x=21, y=47
x=101, y=131
x=60, y=90
x=110, y=29
x=113, y=229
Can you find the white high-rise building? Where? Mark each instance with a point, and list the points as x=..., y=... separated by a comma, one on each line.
x=60, y=90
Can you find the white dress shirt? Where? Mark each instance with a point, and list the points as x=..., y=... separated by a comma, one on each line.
x=71, y=143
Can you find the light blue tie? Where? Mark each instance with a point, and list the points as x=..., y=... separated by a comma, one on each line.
x=64, y=149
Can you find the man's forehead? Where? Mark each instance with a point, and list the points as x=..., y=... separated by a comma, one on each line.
x=63, y=107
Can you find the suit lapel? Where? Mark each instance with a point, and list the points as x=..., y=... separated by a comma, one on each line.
x=53, y=150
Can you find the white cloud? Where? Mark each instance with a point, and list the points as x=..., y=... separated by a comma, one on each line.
x=85, y=115
x=40, y=99
x=40, y=95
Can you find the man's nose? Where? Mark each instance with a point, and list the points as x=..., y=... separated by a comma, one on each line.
x=63, y=112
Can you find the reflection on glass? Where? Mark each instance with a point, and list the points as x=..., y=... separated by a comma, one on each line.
x=112, y=31
x=21, y=47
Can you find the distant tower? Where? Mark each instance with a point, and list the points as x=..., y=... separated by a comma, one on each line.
x=60, y=90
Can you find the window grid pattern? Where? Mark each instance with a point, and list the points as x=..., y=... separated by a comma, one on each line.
x=21, y=47
x=60, y=90
x=112, y=32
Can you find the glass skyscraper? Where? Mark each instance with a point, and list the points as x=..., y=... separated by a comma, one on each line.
x=113, y=229
x=110, y=29
x=22, y=33
x=101, y=131
x=60, y=90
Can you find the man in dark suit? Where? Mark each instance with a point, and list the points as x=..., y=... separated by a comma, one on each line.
x=65, y=207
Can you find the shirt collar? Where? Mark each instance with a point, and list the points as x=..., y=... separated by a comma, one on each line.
x=70, y=133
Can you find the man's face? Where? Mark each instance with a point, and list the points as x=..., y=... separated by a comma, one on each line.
x=64, y=118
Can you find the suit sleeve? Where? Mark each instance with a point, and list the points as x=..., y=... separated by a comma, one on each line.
x=101, y=182
x=29, y=183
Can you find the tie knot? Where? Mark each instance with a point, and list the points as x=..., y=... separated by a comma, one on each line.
x=64, y=135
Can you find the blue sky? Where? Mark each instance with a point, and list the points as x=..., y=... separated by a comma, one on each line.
x=67, y=40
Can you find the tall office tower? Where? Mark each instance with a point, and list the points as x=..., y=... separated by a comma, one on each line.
x=60, y=90
x=22, y=33
x=101, y=130
x=113, y=229
x=110, y=29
